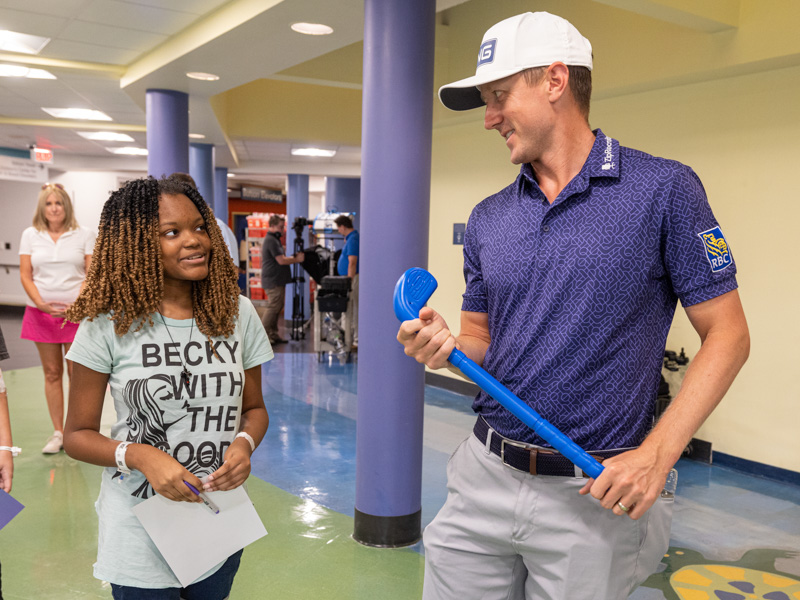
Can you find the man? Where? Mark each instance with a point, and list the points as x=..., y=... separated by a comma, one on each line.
x=572, y=275
x=275, y=274
x=348, y=262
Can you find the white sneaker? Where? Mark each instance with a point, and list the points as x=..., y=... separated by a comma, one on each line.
x=54, y=443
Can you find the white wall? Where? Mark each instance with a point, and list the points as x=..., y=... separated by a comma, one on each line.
x=17, y=205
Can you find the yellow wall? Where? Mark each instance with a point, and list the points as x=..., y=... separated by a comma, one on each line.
x=740, y=133
x=741, y=137
x=279, y=110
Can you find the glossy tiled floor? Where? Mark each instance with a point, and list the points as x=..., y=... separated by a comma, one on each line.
x=734, y=536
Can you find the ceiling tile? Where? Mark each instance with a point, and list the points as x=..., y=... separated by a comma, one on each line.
x=136, y=16
x=195, y=7
x=31, y=22
x=56, y=8
x=37, y=90
x=114, y=37
x=88, y=52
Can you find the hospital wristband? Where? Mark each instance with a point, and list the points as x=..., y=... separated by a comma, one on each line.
x=13, y=449
x=249, y=438
x=119, y=457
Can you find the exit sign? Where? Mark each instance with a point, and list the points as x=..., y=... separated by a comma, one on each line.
x=42, y=155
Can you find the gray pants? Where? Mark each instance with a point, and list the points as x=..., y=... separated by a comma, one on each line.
x=505, y=534
x=275, y=299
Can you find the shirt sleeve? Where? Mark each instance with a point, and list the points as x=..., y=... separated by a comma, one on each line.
x=93, y=344
x=25, y=242
x=256, y=348
x=474, y=298
x=697, y=257
x=91, y=238
x=272, y=246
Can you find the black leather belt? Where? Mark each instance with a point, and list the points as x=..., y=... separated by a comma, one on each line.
x=527, y=458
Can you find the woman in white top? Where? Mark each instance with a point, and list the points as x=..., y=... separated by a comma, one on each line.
x=54, y=257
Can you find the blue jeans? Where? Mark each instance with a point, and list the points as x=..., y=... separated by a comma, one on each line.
x=216, y=587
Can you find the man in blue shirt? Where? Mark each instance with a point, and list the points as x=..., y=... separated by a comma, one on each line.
x=348, y=263
x=573, y=273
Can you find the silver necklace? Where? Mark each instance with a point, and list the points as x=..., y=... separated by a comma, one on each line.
x=186, y=374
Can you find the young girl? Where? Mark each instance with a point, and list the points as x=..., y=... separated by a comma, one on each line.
x=165, y=326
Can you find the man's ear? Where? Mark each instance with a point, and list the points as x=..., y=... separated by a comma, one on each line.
x=557, y=80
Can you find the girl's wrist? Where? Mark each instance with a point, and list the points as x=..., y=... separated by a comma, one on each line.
x=136, y=455
x=249, y=443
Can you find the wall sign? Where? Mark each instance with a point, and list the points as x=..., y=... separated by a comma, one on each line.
x=458, y=233
x=22, y=169
x=263, y=194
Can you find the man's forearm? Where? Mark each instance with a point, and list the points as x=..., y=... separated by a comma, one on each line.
x=707, y=379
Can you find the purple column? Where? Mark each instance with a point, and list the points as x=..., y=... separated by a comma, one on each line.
x=167, y=116
x=395, y=197
x=343, y=194
x=221, y=193
x=201, y=168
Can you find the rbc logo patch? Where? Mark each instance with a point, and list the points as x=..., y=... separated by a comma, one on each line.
x=486, y=53
x=716, y=247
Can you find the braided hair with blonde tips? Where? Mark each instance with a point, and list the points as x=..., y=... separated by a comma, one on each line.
x=126, y=276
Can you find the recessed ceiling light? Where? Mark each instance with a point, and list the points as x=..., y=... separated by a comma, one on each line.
x=231, y=174
x=202, y=76
x=131, y=150
x=21, y=71
x=312, y=152
x=312, y=28
x=84, y=114
x=40, y=74
x=197, y=136
x=105, y=136
x=12, y=41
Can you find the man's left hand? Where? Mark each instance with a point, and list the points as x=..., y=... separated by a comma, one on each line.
x=631, y=479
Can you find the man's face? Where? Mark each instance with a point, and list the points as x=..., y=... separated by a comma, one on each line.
x=340, y=229
x=521, y=113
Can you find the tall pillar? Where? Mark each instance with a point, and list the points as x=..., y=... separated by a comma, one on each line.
x=167, y=118
x=201, y=168
x=221, y=193
x=395, y=188
x=344, y=194
x=297, y=206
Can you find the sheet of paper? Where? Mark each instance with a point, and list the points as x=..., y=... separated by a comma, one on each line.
x=192, y=539
x=9, y=508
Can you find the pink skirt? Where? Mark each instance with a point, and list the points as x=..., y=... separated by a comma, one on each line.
x=38, y=326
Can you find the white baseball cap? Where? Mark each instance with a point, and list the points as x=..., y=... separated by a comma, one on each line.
x=528, y=40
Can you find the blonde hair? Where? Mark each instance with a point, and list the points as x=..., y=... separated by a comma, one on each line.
x=39, y=219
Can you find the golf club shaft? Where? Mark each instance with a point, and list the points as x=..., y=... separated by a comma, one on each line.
x=543, y=428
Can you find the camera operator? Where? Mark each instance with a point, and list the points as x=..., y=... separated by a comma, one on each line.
x=275, y=274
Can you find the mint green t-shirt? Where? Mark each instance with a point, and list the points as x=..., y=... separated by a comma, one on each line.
x=194, y=422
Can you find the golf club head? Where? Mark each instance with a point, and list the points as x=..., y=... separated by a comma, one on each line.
x=412, y=291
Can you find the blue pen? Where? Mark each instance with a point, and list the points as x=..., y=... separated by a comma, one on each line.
x=211, y=506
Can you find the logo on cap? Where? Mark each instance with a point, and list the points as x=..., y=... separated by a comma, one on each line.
x=717, y=251
x=486, y=53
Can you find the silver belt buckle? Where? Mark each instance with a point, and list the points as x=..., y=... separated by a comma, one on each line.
x=529, y=447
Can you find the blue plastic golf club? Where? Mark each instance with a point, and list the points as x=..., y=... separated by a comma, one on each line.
x=412, y=291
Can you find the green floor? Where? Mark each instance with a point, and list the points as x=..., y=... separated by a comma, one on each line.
x=47, y=551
